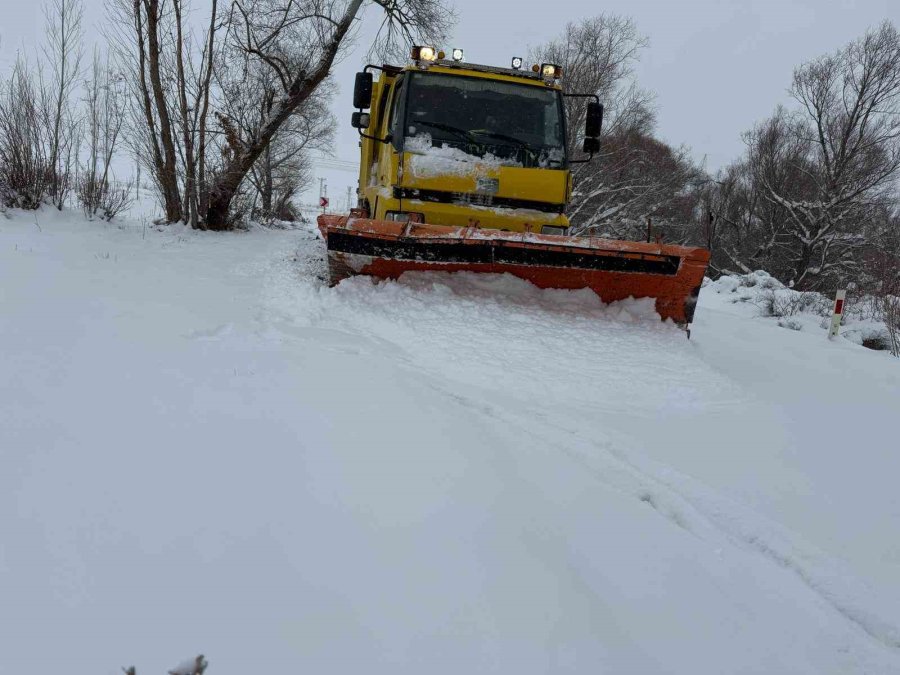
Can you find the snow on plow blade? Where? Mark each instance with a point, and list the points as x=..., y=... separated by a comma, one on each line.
x=614, y=270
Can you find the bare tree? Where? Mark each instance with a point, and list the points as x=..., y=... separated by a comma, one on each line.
x=827, y=166
x=283, y=168
x=635, y=176
x=170, y=74
x=25, y=171
x=140, y=35
x=728, y=219
x=192, y=88
x=105, y=110
x=148, y=17
x=202, y=106
x=598, y=56
x=881, y=279
x=190, y=204
x=63, y=53
x=298, y=42
x=177, y=82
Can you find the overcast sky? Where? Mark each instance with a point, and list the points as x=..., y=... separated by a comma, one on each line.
x=716, y=66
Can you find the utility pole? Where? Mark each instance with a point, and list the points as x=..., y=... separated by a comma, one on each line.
x=349, y=198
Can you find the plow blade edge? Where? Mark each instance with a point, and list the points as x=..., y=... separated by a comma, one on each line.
x=613, y=269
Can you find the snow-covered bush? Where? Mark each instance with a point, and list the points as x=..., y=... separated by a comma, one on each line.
x=776, y=300
x=760, y=279
x=102, y=199
x=772, y=297
x=872, y=321
x=785, y=302
x=866, y=306
x=875, y=338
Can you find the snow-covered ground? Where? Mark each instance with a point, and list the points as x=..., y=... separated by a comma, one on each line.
x=203, y=449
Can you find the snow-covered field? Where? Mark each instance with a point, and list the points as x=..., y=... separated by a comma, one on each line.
x=203, y=449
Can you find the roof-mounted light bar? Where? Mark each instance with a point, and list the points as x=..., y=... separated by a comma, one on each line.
x=430, y=54
x=423, y=53
x=426, y=56
x=551, y=71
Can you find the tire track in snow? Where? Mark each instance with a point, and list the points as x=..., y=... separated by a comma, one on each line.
x=686, y=502
x=704, y=513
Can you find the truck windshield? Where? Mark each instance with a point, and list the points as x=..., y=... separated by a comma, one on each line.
x=519, y=123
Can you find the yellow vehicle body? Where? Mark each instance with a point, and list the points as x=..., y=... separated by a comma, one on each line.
x=386, y=173
x=487, y=193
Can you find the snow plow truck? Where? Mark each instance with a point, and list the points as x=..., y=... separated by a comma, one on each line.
x=465, y=167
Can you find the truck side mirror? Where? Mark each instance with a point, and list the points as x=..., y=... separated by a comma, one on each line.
x=594, y=120
x=361, y=120
x=591, y=145
x=362, y=91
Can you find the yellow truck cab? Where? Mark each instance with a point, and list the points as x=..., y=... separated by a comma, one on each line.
x=464, y=168
x=452, y=143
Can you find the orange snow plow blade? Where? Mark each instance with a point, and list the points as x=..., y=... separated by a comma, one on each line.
x=614, y=270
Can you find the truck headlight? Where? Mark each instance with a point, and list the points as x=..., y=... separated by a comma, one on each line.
x=554, y=229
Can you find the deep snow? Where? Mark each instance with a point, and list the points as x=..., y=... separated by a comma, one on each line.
x=204, y=449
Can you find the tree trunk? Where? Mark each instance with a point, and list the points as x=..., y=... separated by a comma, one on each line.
x=202, y=188
x=168, y=178
x=190, y=168
x=266, y=183
x=146, y=103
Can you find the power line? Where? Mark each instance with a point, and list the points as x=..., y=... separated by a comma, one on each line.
x=335, y=163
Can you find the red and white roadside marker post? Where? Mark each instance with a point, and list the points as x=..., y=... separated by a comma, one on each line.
x=839, y=298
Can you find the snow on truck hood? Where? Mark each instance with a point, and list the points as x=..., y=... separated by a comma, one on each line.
x=427, y=161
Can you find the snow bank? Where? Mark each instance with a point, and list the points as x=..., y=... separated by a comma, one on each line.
x=803, y=310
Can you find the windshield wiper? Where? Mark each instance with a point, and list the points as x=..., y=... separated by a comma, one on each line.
x=462, y=133
x=503, y=137
x=470, y=136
